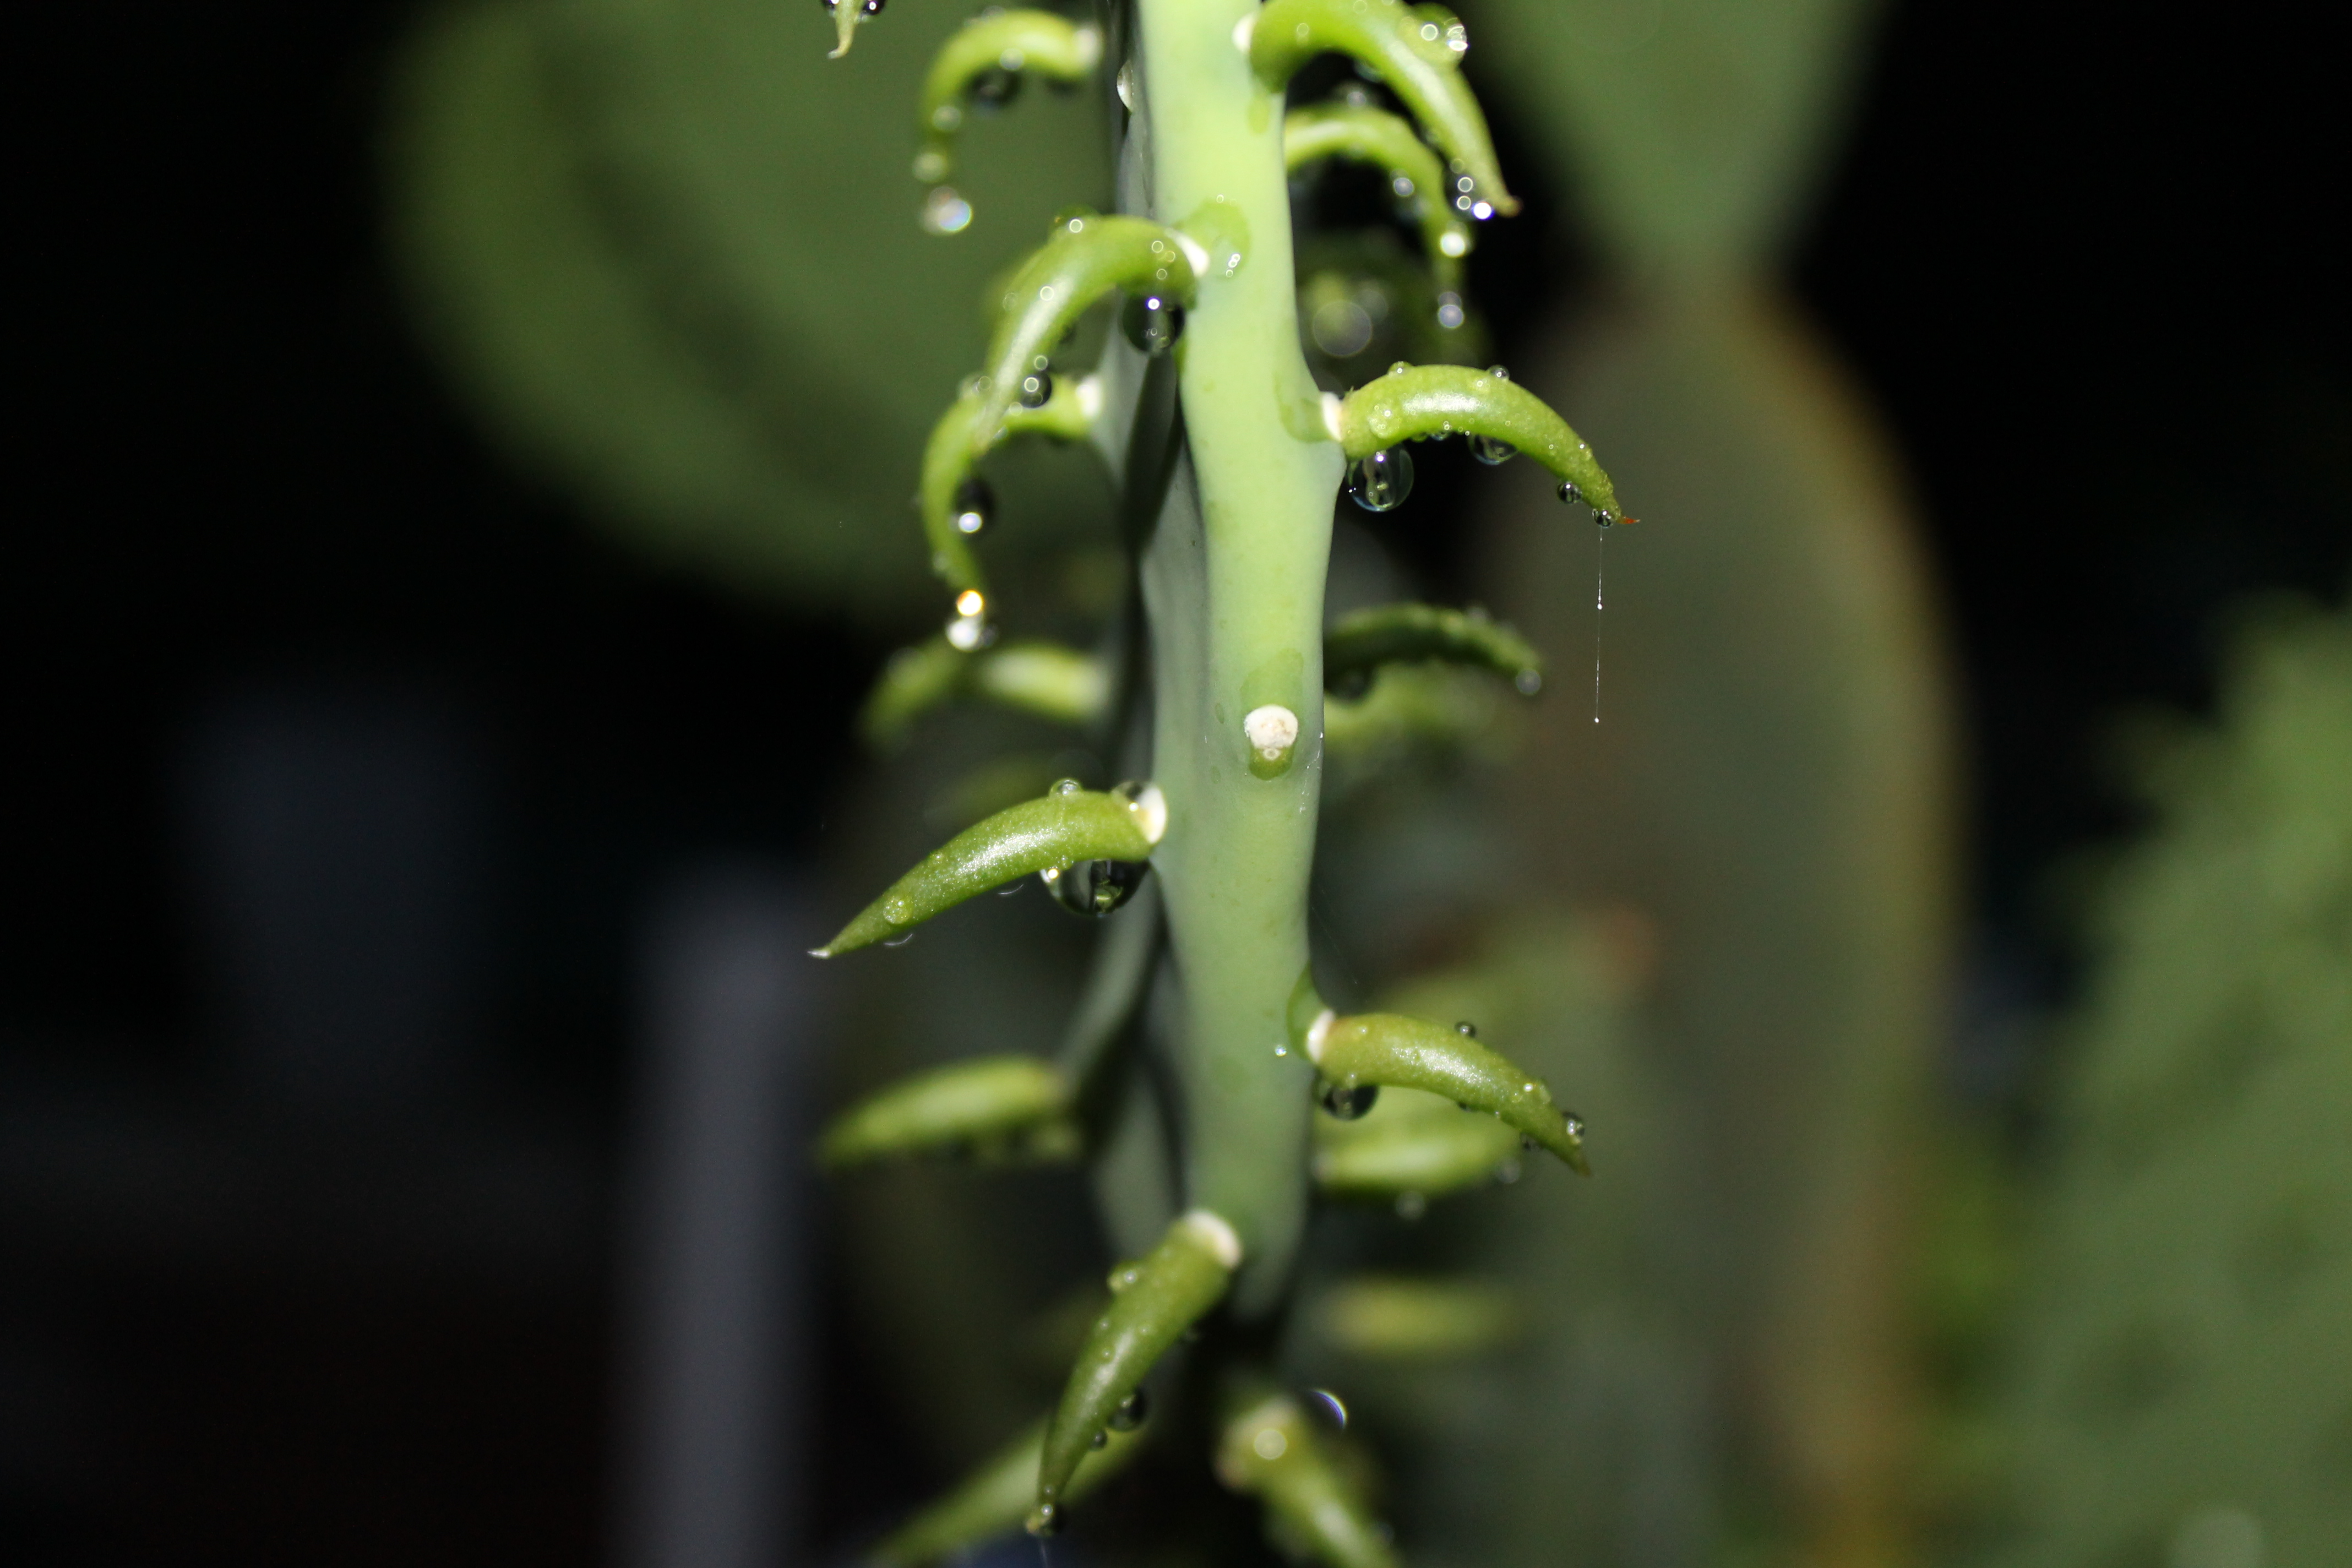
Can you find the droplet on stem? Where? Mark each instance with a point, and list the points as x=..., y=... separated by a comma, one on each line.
x=995, y=87
x=975, y=503
x=1096, y=888
x=1347, y=1102
x=1152, y=323
x=1492, y=452
x=1132, y=1411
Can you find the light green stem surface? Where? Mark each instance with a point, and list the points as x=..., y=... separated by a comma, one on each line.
x=1235, y=594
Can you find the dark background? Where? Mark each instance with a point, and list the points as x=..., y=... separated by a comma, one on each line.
x=2091, y=271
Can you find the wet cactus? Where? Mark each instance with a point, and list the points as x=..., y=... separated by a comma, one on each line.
x=1227, y=460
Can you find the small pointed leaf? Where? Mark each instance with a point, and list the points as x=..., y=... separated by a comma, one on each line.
x=1362, y=134
x=1158, y=1298
x=1394, y=1052
x=1062, y=829
x=1087, y=258
x=1415, y=402
x=1271, y=1451
x=1363, y=640
x=1012, y=1108
x=1015, y=41
x=1412, y=49
x=992, y=1500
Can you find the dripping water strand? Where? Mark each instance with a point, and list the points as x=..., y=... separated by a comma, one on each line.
x=1600, y=585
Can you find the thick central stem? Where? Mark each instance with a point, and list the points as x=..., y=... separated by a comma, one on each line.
x=1233, y=583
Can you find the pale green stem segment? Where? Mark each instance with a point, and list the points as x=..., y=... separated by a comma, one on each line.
x=1003, y=1110
x=1394, y=1052
x=1410, y=1144
x=1016, y=41
x=848, y=17
x=1363, y=640
x=1417, y=50
x=1154, y=1301
x=1087, y=258
x=993, y=1499
x=1399, y=1317
x=1064, y=828
x=1041, y=678
x=1232, y=584
x=1270, y=1451
x=1362, y=134
x=1412, y=403
x=950, y=454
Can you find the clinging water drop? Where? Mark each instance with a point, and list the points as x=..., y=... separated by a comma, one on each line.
x=1380, y=481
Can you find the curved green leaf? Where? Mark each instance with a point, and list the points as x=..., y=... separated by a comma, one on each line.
x=1412, y=403
x=1273, y=1453
x=993, y=1499
x=950, y=454
x=1154, y=1300
x=1087, y=258
x=1038, y=677
x=1066, y=826
x=1394, y=1052
x=1016, y=41
x=1364, y=134
x=1416, y=49
x=1014, y=1109
x=1363, y=640
x=1387, y=1316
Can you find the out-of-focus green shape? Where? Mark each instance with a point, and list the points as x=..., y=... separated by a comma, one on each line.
x=2184, y=1384
x=670, y=257
x=1695, y=129
x=1412, y=1146
x=1410, y=1318
x=1014, y=1109
x=992, y=1500
x=1269, y=1450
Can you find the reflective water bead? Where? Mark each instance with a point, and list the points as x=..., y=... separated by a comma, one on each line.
x=1132, y=1411
x=995, y=87
x=1467, y=1028
x=944, y=212
x=1152, y=322
x=1126, y=85
x=1347, y=1104
x=1490, y=451
x=1570, y=493
x=1098, y=887
x=1450, y=314
x=975, y=503
x=1037, y=389
x=1382, y=480
x=1099, y=1440
x=1066, y=786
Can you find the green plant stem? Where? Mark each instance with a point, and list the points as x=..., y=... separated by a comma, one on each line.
x=1233, y=579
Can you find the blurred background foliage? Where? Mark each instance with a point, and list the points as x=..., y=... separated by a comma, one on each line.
x=1878, y=1266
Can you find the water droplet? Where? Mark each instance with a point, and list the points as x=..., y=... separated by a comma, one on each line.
x=1126, y=85
x=1500, y=373
x=944, y=212
x=1045, y=1519
x=1269, y=1444
x=969, y=634
x=1037, y=389
x=1467, y=1027
x=1528, y=682
x=1411, y=1206
x=1073, y=218
x=1346, y=1102
x=1403, y=187
x=1152, y=322
x=901, y=940
x=1096, y=887
x=974, y=504
x=1066, y=786
x=871, y=7
x=1132, y=1411
x=1341, y=328
x=1570, y=493
x=1399, y=368
x=1123, y=1276
x=1455, y=244
x=1450, y=314
x=995, y=87
x=1327, y=1404
x=1490, y=451
x=1380, y=481
x=1572, y=1123
x=1099, y=1440
x=931, y=163
x=1481, y=211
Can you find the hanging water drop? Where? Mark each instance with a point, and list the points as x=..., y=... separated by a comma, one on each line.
x=1036, y=388
x=1382, y=480
x=944, y=212
x=1450, y=314
x=1152, y=323
x=1570, y=493
x=1126, y=85
x=995, y=87
x=1329, y=1404
x=975, y=503
x=1491, y=451
x=1347, y=1102
x=1132, y=1411
x=1096, y=887
x=1100, y=1441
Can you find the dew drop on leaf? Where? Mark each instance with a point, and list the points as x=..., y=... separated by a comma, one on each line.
x=1380, y=481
